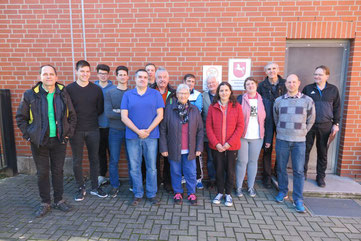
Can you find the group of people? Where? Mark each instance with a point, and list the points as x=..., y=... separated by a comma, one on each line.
x=165, y=127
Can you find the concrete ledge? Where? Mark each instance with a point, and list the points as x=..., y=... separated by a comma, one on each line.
x=26, y=165
x=336, y=187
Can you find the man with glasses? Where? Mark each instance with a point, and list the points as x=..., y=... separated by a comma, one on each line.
x=105, y=84
x=328, y=114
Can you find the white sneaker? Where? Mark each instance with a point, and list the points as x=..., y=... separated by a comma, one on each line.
x=183, y=180
x=101, y=180
x=218, y=198
x=228, y=202
x=251, y=192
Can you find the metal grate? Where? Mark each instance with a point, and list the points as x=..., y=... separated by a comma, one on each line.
x=333, y=207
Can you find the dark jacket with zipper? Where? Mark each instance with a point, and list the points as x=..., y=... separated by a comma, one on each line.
x=328, y=108
x=269, y=94
x=32, y=115
x=171, y=95
x=171, y=132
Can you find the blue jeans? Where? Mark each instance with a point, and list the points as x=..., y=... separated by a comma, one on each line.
x=297, y=150
x=189, y=169
x=116, y=139
x=148, y=148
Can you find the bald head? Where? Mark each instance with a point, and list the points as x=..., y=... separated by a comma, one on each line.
x=292, y=84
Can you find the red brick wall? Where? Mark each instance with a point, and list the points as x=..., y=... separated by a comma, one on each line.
x=180, y=35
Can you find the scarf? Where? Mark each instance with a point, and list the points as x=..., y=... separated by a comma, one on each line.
x=182, y=110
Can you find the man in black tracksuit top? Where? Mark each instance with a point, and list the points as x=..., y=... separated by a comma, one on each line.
x=47, y=119
x=169, y=95
x=270, y=89
x=328, y=112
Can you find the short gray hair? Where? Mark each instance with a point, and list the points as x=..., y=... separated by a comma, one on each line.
x=160, y=69
x=269, y=63
x=183, y=86
x=210, y=77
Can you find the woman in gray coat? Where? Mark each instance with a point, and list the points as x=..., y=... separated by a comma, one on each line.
x=181, y=140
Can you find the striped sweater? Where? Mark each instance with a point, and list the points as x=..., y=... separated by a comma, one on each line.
x=294, y=117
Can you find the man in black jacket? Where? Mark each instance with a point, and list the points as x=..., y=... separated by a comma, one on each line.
x=47, y=119
x=328, y=112
x=270, y=89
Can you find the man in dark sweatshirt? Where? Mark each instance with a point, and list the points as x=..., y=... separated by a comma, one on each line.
x=328, y=113
x=88, y=102
x=270, y=89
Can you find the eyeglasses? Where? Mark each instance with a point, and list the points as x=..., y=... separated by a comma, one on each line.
x=103, y=74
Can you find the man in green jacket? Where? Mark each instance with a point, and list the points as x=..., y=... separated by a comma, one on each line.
x=47, y=119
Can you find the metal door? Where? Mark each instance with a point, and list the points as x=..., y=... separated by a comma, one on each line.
x=301, y=59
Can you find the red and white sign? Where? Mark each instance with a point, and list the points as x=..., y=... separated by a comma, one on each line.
x=238, y=71
x=215, y=70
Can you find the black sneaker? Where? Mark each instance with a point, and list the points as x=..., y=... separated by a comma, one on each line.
x=80, y=195
x=62, y=206
x=267, y=183
x=98, y=192
x=321, y=182
x=43, y=209
x=113, y=191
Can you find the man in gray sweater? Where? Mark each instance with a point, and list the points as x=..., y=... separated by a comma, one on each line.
x=112, y=102
x=294, y=115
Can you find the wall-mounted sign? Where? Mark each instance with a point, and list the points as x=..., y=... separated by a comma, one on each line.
x=238, y=71
x=215, y=70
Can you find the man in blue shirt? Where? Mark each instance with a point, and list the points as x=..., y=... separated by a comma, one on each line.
x=105, y=84
x=142, y=111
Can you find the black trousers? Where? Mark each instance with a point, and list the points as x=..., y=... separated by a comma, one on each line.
x=267, y=162
x=163, y=175
x=225, y=164
x=321, y=132
x=50, y=157
x=103, y=151
x=91, y=139
x=199, y=164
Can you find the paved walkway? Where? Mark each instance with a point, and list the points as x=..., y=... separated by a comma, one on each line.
x=260, y=218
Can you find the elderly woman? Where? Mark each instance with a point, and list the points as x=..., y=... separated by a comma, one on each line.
x=252, y=138
x=224, y=127
x=181, y=140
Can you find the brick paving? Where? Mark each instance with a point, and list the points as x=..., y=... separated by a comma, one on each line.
x=94, y=218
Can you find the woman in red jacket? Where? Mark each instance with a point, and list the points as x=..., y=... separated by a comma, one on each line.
x=224, y=127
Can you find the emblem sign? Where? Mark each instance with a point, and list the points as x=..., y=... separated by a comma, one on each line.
x=238, y=71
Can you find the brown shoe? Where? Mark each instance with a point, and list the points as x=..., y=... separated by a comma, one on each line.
x=136, y=201
x=154, y=201
x=43, y=209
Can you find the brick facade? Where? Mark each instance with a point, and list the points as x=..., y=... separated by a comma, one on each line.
x=182, y=35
